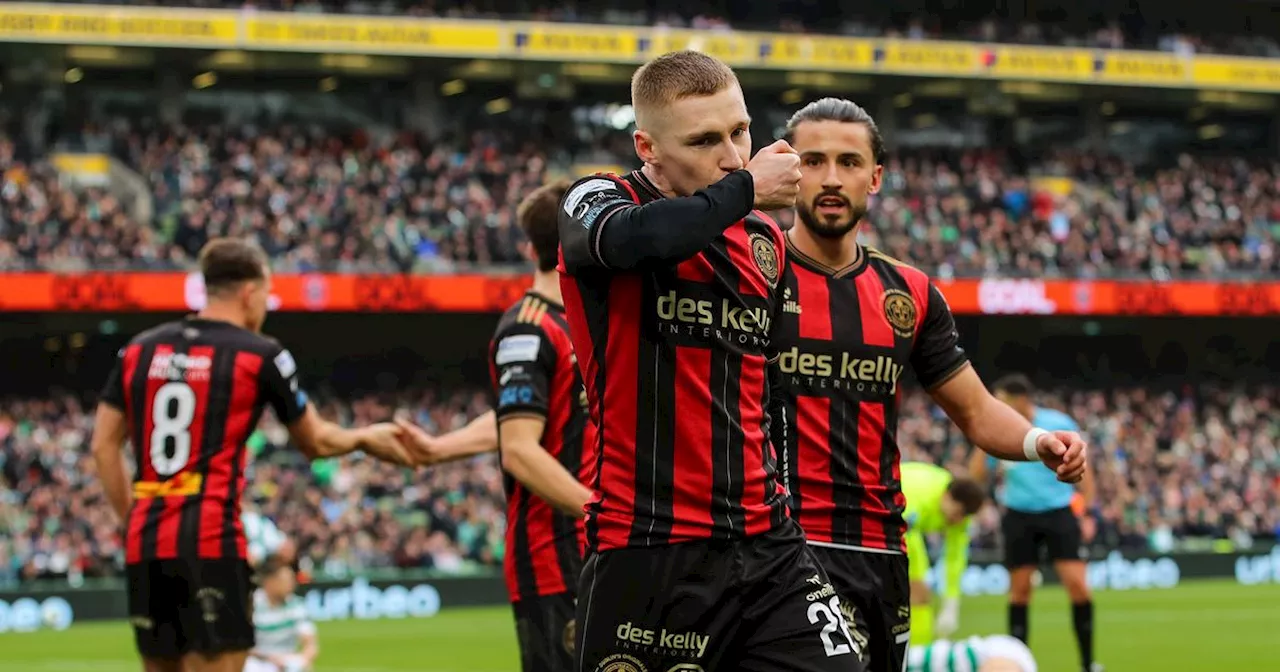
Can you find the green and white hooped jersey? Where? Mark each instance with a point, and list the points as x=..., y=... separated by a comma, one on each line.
x=968, y=655
x=278, y=627
x=262, y=535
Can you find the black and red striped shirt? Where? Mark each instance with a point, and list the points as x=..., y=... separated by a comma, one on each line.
x=192, y=392
x=534, y=373
x=845, y=338
x=674, y=355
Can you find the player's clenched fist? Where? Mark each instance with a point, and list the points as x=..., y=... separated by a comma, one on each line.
x=776, y=173
x=1064, y=453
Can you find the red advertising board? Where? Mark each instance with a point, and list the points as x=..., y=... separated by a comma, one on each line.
x=178, y=292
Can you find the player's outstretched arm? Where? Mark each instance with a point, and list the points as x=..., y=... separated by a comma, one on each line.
x=601, y=225
x=524, y=458
x=110, y=429
x=1002, y=432
x=318, y=438
x=478, y=437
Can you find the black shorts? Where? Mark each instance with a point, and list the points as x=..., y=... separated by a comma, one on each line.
x=546, y=632
x=877, y=591
x=191, y=606
x=1056, y=531
x=762, y=604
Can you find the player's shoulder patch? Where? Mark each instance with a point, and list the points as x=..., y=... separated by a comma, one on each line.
x=517, y=348
x=580, y=194
x=285, y=364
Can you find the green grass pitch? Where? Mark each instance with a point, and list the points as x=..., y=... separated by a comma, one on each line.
x=1197, y=626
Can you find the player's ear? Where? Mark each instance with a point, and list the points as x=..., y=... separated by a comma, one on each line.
x=646, y=148
x=877, y=176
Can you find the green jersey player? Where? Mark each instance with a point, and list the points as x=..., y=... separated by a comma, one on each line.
x=286, y=637
x=937, y=503
x=997, y=653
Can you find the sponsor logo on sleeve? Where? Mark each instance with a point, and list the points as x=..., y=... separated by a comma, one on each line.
x=520, y=348
x=576, y=195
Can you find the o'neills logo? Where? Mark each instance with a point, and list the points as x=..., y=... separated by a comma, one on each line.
x=720, y=319
x=845, y=371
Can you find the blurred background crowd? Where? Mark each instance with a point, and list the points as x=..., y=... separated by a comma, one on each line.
x=318, y=199
x=1184, y=464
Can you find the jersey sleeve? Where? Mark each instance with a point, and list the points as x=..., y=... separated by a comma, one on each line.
x=937, y=355
x=584, y=210
x=113, y=391
x=524, y=364
x=279, y=384
x=602, y=226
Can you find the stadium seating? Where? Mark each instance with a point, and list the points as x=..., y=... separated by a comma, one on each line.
x=1177, y=465
x=352, y=203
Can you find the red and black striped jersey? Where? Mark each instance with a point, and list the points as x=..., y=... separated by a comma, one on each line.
x=674, y=358
x=534, y=373
x=845, y=338
x=192, y=391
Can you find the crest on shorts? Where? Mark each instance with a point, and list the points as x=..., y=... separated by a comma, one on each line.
x=900, y=310
x=762, y=250
x=687, y=667
x=621, y=662
x=209, y=599
x=570, y=635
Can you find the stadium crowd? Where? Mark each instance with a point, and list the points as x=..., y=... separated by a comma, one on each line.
x=1199, y=462
x=355, y=202
x=1120, y=28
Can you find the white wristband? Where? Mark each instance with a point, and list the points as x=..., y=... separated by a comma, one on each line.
x=1029, y=444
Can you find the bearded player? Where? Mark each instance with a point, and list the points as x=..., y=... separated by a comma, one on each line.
x=852, y=320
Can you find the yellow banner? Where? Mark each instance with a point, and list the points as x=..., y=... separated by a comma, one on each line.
x=1254, y=74
x=818, y=53
x=928, y=58
x=69, y=24
x=369, y=35
x=1144, y=69
x=1038, y=63
x=269, y=31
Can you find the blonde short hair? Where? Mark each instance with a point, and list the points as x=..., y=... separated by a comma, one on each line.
x=674, y=76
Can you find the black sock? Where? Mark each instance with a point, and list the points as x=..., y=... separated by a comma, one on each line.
x=1082, y=616
x=1018, y=622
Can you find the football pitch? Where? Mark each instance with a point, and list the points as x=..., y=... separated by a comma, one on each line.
x=1197, y=626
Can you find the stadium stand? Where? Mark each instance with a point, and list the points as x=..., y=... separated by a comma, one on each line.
x=1173, y=466
x=348, y=203
x=1130, y=25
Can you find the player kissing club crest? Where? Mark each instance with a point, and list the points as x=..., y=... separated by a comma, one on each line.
x=766, y=257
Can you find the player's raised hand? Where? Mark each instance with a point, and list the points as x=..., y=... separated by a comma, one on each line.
x=776, y=173
x=1064, y=453
x=383, y=442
